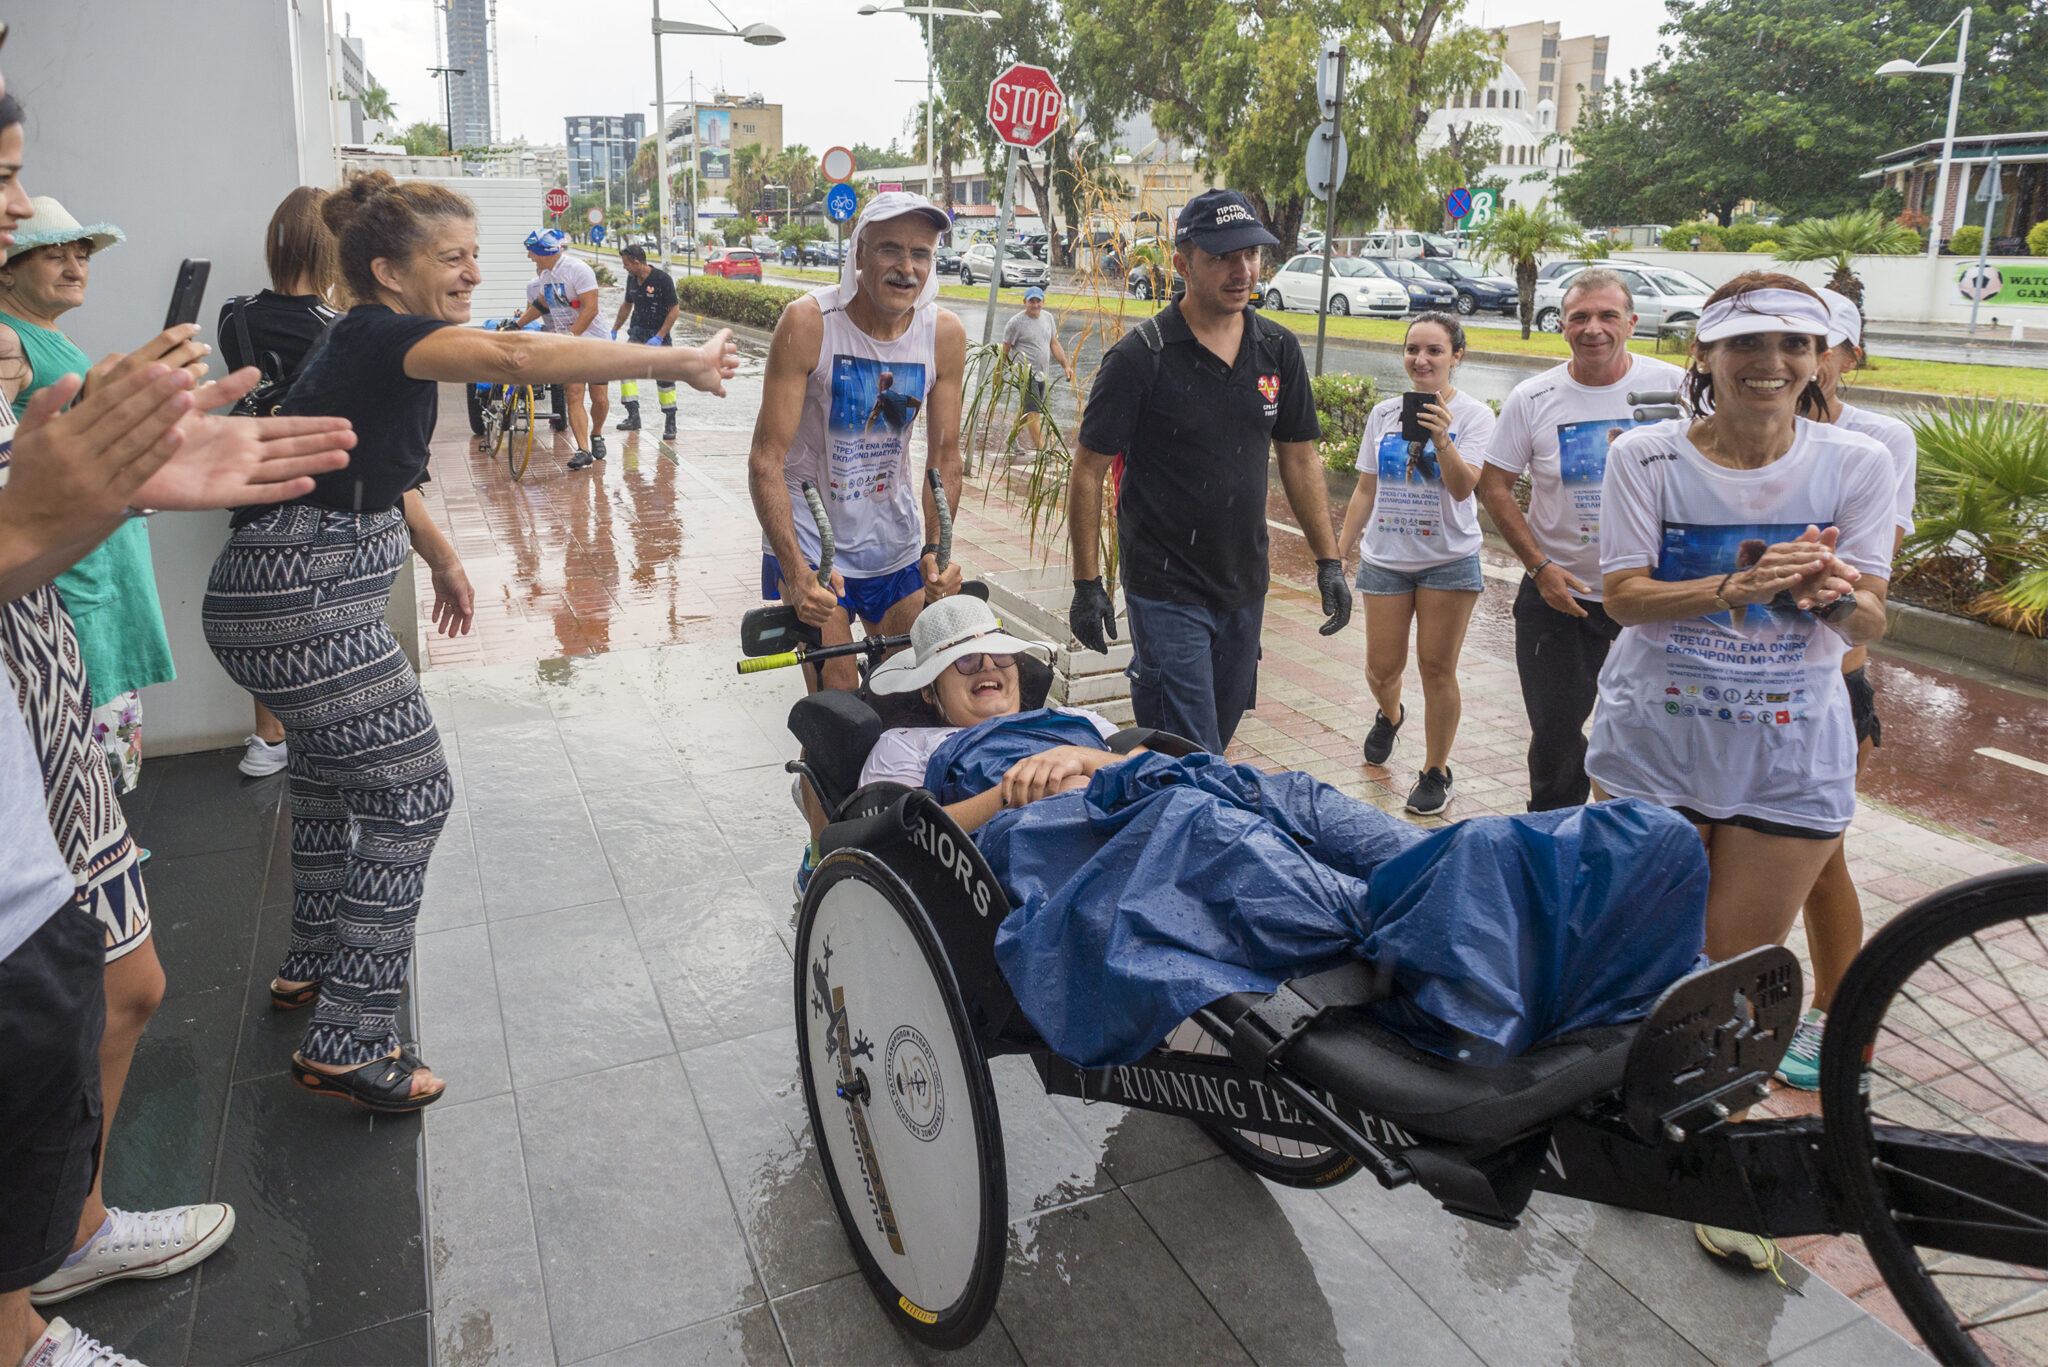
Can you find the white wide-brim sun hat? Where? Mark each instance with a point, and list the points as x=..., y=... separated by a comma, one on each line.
x=1765, y=310
x=944, y=632
x=52, y=223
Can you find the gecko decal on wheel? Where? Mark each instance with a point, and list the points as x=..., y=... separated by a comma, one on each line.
x=845, y=1045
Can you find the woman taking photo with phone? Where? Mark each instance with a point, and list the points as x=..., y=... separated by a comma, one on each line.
x=295, y=613
x=1417, y=468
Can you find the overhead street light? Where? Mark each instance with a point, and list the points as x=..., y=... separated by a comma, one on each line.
x=758, y=35
x=1955, y=70
x=931, y=13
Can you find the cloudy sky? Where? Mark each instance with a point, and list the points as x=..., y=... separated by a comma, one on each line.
x=837, y=77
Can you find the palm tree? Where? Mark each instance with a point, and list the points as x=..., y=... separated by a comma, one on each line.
x=1519, y=236
x=952, y=134
x=1842, y=240
x=749, y=173
x=377, y=104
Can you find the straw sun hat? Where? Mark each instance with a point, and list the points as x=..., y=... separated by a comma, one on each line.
x=52, y=223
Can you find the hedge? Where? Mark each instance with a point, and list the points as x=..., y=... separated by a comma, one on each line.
x=734, y=301
x=1966, y=240
x=2037, y=239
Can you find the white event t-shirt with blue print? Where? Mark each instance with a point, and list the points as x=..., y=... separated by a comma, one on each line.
x=1415, y=524
x=556, y=290
x=1739, y=713
x=1558, y=432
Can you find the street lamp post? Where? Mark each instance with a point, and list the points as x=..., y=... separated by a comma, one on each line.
x=931, y=12
x=448, y=96
x=1955, y=69
x=760, y=35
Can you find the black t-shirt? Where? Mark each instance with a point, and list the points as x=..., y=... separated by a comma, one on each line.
x=283, y=328
x=358, y=373
x=1196, y=442
x=651, y=299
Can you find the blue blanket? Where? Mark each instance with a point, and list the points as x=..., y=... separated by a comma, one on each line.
x=1168, y=883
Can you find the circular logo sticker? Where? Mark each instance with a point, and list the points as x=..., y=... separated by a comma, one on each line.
x=914, y=1087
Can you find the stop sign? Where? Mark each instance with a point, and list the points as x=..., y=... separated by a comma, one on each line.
x=1024, y=105
x=557, y=200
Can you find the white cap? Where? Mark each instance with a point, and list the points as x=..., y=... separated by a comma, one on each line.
x=1765, y=310
x=887, y=205
x=942, y=633
x=1845, y=320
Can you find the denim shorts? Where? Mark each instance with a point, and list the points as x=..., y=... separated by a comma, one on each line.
x=1460, y=576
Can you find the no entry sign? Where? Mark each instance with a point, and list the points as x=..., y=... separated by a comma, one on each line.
x=557, y=200
x=1024, y=105
x=837, y=164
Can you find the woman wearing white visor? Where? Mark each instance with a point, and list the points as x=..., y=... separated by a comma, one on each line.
x=1744, y=551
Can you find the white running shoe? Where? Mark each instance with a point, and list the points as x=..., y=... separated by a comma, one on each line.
x=262, y=759
x=63, y=1346
x=142, y=1243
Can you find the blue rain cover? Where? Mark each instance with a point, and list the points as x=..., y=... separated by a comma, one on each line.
x=1168, y=883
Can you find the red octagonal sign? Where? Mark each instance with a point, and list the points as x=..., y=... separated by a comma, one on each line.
x=1024, y=105
x=558, y=200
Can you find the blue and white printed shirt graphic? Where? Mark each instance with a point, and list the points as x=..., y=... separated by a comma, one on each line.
x=557, y=291
x=1742, y=712
x=1415, y=524
x=874, y=406
x=1558, y=431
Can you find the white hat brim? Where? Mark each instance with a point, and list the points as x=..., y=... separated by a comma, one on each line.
x=903, y=673
x=1748, y=324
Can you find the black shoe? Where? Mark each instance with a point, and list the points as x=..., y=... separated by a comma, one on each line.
x=582, y=460
x=1379, y=742
x=631, y=422
x=668, y=424
x=1432, y=792
x=597, y=446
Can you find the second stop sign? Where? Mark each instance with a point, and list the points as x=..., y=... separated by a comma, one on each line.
x=1024, y=105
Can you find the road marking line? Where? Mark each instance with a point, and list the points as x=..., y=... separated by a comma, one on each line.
x=2017, y=761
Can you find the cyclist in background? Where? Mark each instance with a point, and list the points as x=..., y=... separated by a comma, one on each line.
x=563, y=291
x=651, y=299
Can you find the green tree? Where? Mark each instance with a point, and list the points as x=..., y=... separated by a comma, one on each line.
x=952, y=135
x=749, y=174
x=866, y=156
x=1518, y=236
x=425, y=139
x=1839, y=241
x=377, y=104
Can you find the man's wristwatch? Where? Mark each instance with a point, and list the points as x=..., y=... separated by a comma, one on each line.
x=1840, y=609
x=930, y=548
x=1721, y=603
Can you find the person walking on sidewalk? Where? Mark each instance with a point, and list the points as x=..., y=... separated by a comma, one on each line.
x=651, y=300
x=564, y=292
x=1833, y=914
x=1192, y=407
x=274, y=330
x=1419, y=563
x=1034, y=335
x=1555, y=427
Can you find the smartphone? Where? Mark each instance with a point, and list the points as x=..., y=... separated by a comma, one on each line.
x=187, y=293
x=1412, y=404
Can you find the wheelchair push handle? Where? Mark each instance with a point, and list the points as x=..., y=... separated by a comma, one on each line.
x=765, y=662
x=1655, y=405
x=825, y=546
x=874, y=647
x=938, y=487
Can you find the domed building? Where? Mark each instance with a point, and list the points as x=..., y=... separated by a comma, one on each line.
x=1530, y=149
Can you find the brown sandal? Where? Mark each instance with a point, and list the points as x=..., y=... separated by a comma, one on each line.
x=303, y=995
x=383, y=1084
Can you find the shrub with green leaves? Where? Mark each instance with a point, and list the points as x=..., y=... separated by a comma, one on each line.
x=603, y=273
x=1763, y=248
x=734, y=301
x=2037, y=239
x=1343, y=403
x=1983, y=493
x=1967, y=240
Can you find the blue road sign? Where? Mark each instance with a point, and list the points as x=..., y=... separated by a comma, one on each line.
x=597, y=232
x=841, y=202
x=1458, y=203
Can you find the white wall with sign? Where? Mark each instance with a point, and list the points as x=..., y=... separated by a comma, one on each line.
x=1896, y=289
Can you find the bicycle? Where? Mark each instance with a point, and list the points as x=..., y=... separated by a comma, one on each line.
x=508, y=422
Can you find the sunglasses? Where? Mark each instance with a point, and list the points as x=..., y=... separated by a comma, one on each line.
x=972, y=664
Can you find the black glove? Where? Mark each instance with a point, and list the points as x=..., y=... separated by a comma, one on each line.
x=1336, y=595
x=1093, y=616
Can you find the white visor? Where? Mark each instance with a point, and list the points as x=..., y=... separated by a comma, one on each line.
x=1763, y=311
x=1845, y=320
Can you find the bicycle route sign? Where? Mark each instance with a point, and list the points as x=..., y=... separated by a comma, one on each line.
x=1458, y=202
x=557, y=200
x=841, y=203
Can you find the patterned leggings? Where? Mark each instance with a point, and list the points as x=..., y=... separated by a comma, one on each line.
x=295, y=614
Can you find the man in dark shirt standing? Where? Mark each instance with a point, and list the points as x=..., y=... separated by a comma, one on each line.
x=1194, y=401
x=651, y=298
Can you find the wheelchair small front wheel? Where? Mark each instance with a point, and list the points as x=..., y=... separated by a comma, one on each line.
x=900, y=1102
x=1934, y=1085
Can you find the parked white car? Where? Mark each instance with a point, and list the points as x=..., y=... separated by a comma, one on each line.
x=1355, y=287
x=1663, y=297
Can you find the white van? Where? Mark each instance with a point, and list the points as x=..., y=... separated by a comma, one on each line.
x=1403, y=244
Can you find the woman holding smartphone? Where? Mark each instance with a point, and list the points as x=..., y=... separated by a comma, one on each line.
x=295, y=613
x=1419, y=566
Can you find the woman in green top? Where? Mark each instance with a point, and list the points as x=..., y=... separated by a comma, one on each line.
x=112, y=592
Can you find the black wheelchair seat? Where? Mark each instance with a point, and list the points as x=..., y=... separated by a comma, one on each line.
x=1383, y=1075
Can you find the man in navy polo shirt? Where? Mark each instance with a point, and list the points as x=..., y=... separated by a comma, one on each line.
x=1192, y=404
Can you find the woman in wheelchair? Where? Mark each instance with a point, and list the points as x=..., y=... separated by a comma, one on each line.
x=1149, y=883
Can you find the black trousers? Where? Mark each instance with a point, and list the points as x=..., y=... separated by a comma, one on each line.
x=1559, y=659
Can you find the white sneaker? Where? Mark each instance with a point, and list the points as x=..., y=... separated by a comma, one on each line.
x=142, y=1243
x=261, y=758
x=63, y=1346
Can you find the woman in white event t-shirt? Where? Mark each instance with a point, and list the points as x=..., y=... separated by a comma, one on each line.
x=1419, y=564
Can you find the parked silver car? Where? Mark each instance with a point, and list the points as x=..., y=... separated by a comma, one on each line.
x=1020, y=267
x=1664, y=296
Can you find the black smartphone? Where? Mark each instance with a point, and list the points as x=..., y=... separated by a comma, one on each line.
x=187, y=293
x=1412, y=404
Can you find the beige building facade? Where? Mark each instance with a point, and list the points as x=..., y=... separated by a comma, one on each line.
x=1555, y=69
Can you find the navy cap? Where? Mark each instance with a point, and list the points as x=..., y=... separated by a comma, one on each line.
x=1221, y=222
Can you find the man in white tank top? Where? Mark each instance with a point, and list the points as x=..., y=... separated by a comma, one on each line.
x=854, y=368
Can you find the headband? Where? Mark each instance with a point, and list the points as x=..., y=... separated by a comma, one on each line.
x=1765, y=310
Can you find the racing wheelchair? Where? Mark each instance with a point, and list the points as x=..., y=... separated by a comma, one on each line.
x=1932, y=1142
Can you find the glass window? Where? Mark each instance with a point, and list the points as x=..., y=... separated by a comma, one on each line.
x=1351, y=268
x=1542, y=92
x=1547, y=71
x=1550, y=47
x=1490, y=98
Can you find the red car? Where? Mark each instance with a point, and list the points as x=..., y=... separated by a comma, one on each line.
x=734, y=263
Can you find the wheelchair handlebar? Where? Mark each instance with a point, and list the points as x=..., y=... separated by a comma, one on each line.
x=874, y=647
x=1653, y=396
x=945, y=513
x=825, y=546
x=782, y=661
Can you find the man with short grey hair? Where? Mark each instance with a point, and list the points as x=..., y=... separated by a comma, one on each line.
x=1556, y=427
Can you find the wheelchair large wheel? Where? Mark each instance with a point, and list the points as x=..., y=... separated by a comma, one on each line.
x=900, y=1102
x=1277, y=1158
x=1934, y=1084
